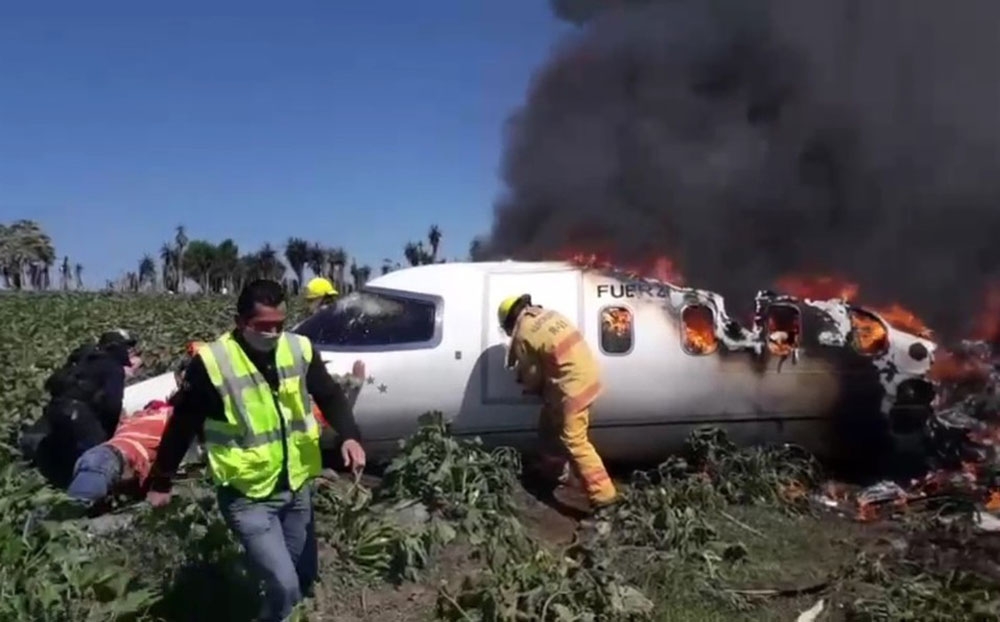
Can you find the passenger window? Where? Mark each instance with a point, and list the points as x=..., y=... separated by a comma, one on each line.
x=367, y=318
x=699, y=329
x=783, y=329
x=869, y=335
x=616, y=330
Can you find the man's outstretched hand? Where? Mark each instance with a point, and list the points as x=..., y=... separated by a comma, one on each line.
x=158, y=499
x=353, y=455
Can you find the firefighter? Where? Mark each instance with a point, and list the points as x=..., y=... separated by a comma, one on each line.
x=320, y=293
x=551, y=359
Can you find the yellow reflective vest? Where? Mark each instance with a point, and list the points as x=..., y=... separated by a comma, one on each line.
x=553, y=358
x=245, y=451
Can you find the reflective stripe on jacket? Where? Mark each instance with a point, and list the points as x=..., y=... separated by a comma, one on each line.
x=246, y=451
x=547, y=341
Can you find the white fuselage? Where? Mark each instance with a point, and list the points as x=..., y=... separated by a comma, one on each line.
x=448, y=355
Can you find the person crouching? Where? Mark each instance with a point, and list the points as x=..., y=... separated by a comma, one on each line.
x=126, y=458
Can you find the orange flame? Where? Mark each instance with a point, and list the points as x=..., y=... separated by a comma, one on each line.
x=870, y=335
x=827, y=286
x=903, y=319
x=617, y=320
x=993, y=503
x=660, y=268
x=699, y=329
x=987, y=325
x=817, y=287
x=951, y=368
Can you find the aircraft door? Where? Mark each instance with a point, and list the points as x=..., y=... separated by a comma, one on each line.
x=559, y=290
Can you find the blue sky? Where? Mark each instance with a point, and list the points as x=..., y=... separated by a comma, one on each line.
x=356, y=124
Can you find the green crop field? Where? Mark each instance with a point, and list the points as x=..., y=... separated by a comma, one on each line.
x=448, y=533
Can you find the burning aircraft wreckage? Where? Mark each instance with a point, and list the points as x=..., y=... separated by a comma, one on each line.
x=940, y=407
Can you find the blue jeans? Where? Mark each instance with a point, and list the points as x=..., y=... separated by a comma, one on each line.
x=279, y=537
x=96, y=473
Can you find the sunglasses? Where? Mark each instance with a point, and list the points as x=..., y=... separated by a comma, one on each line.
x=266, y=326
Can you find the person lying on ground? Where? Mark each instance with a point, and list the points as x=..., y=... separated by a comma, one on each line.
x=85, y=406
x=124, y=461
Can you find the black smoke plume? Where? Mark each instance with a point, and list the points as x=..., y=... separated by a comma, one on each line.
x=752, y=139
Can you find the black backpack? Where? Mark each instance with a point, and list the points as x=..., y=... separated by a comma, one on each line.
x=71, y=381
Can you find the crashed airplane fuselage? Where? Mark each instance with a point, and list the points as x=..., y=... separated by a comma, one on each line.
x=817, y=373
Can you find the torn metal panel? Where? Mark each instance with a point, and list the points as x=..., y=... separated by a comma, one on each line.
x=899, y=357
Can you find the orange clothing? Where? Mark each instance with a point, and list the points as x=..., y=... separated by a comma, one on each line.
x=137, y=438
x=320, y=419
x=553, y=359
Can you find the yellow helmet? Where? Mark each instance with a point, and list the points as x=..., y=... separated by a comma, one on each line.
x=320, y=288
x=507, y=305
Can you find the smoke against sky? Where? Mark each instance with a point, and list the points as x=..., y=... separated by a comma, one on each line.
x=752, y=139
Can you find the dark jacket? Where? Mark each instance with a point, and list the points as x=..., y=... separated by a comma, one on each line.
x=93, y=378
x=85, y=406
x=198, y=399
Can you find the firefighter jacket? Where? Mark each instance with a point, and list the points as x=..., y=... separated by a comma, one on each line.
x=551, y=353
x=246, y=450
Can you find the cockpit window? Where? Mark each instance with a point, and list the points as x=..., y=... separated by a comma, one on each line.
x=368, y=318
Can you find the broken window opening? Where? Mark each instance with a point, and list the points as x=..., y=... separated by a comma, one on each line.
x=368, y=318
x=869, y=335
x=617, y=330
x=783, y=329
x=699, y=337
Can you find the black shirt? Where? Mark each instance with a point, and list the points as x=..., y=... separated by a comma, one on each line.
x=198, y=399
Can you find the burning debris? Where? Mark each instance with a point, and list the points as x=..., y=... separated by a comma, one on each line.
x=870, y=335
x=956, y=394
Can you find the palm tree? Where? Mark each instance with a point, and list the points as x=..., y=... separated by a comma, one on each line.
x=147, y=271
x=170, y=263
x=225, y=267
x=412, y=253
x=269, y=264
x=361, y=274
x=64, y=275
x=181, y=244
x=388, y=266
x=297, y=254
x=131, y=282
x=316, y=259
x=6, y=255
x=78, y=273
x=26, y=255
x=337, y=260
x=199, y=258
x=434, y=237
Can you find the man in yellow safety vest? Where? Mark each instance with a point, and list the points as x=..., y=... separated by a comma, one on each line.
x=250, y=393
x=552, y=359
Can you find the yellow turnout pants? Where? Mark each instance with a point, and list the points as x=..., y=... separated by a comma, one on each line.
x=565, y=437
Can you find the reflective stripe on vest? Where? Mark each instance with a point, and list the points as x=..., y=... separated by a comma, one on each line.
x=246, y=450
x=233, y=385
